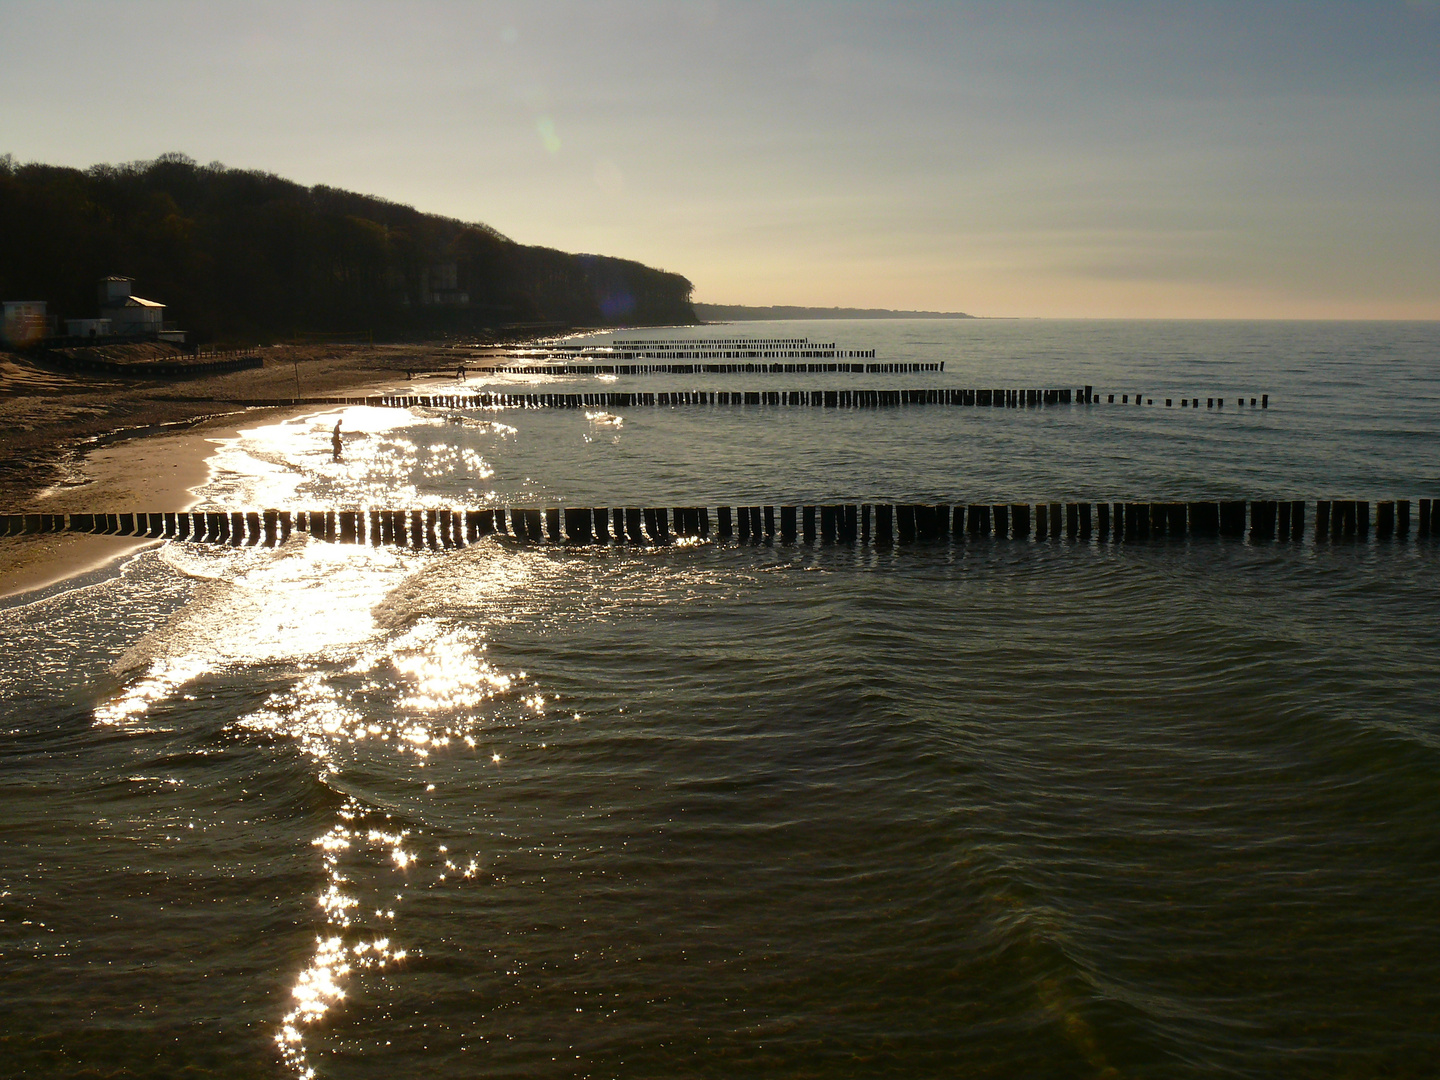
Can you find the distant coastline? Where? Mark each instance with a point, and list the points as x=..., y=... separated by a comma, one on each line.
x=741, y=313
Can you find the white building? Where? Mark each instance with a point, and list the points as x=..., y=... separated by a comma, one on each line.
x=85, y=328
x=25, y=321
x=128, y=313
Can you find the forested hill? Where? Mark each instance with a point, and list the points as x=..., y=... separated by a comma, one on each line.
x=239, y=255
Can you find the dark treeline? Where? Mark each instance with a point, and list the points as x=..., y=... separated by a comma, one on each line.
x=247, y=256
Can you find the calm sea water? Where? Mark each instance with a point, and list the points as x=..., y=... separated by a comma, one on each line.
x=1000, y=809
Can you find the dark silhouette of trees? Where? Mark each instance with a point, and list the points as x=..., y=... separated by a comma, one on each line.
x=238, y=255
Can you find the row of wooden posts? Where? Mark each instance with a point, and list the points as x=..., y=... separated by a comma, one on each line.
x=879, y=524
x=830, y=399
x=600, y=367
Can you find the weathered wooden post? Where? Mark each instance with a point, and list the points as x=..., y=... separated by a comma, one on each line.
x=1232, y=518
x=1102, y=526
x=347, y=526
x=770, y=522
x=1322, y=519
x=1262, y=519
x=905, y=523
x=1001, y=514
x=787, y=525
x=552, y=524
x=1150, y=520
x=957, y=521
x=1020, y=516
x=827, y=524
x=932, y=522
x=633, y=517
x=807, y=527
x=601, y=522
x=1402, y=517
x=330, y=526
x=704, y=521
x=617, y=524
x=272, y=528
x=849, y=526
x=1175, y=525
x=578, y=525
x=1384, y=519
x=979, y=519
x=1159, y=518
x=418, y=537
x=865, y=523
x=724, y=529
x=884, y=525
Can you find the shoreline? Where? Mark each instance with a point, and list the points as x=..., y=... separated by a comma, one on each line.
x=158, y=469
x=126, y=450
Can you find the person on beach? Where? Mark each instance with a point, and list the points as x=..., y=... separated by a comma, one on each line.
x=335, y=443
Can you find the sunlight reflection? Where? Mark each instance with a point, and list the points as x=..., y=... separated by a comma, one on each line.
x=382, y=462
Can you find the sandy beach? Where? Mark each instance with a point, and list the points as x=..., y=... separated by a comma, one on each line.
x=78, y=444
x=159, y=470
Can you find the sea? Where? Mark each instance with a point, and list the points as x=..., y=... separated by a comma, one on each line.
x=1147, y=808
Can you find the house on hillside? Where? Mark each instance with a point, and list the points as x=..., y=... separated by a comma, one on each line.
x=129, y=314
x=25, y=321
x=440, y=286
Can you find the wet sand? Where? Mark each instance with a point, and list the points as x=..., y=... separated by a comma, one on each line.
x=157, y=471
x=82, y=443
x=85, y=444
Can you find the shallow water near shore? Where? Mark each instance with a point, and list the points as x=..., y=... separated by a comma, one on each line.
x=999, y=809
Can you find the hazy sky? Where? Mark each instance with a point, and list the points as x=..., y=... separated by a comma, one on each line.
x=1094, y=159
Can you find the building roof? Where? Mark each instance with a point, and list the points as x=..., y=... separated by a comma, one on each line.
x=132, y=301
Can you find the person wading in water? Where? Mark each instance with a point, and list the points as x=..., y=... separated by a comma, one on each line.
x=335, y=443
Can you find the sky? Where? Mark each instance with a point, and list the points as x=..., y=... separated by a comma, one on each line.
x=1252, y=159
